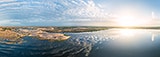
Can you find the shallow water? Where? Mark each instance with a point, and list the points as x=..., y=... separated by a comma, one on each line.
x=106, y=43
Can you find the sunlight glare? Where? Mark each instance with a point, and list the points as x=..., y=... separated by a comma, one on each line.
x=126, y=32
x=130, y=21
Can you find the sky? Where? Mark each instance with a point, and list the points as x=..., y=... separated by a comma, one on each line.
x=144, y=6
x=78, y=12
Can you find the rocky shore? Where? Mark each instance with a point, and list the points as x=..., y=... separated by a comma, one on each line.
x=12, y=34
x=43, y=33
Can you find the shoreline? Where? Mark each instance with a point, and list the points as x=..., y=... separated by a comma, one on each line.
x=53, y=33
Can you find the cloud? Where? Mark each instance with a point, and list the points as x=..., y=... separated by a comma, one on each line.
x=9, y=23
x=6, y=0
x=5, y=21
x=85, y=9
x=47, y=10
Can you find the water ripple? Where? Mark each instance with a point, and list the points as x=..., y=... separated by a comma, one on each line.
x=79, y=43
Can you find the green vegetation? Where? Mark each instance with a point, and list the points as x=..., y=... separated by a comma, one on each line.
x=4, y=29
x=75, y=29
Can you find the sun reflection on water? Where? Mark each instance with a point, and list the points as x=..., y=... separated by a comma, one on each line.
x=129, y=35
x=127, y=32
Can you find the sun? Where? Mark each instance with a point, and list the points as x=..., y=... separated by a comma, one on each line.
x=128, y=20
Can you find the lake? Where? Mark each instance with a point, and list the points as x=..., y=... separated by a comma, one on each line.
x=105, y=43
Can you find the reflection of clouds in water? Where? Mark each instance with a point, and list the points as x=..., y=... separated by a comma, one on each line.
x=154, y=34
x=87, y=40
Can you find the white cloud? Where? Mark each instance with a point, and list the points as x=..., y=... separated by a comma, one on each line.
x=50, y=10
x=84, y=9
x=6, y=0
x=9, y=22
